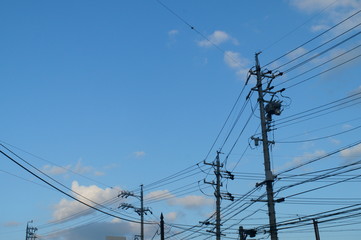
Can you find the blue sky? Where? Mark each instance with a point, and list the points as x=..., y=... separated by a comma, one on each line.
x=104, y=96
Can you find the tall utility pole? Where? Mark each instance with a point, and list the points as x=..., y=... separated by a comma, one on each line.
x=273, y=108
x=141, y=211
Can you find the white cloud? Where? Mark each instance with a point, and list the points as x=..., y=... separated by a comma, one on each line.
x=332, y=12
x=217, y=38
x=351, y=153
x=56, y=170
x=356, y=91
x=171, y=216
x=191, y=201
x=159, y=194
x=12, y=224
x=319, y=27
x=298, y=161
x=78, y=168
x=99, y=230
x=235, y=61
x=99, y=173
x=318, y=5
x=139, y=154
x=81, y=169
x=296, y=53
x=335, y=141
x=68, y=208
x=173, y=32
x=346, y=126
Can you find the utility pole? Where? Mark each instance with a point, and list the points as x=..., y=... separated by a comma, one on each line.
x=161, y=227
x=218, y=197
x=141, y=211
x=272, y=108
x=315, y=225
x=30, y=231
x=218, y=194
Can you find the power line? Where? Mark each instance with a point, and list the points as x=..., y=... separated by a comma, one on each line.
x=45, y=160
x=320, y=65
x=321, y=53
x=317, y=110
x=322, y=157
x=320, y=138
x=299, y=26
x=192, y=27
x=326, y=71
x=61, y=191
x=312, y=39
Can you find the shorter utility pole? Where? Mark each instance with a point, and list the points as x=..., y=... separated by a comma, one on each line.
x=141, y=211
x=161, y=227
x=217, y=193
x=30, y=231
x=315, y=225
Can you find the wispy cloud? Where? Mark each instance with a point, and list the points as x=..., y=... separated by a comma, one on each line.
x=318, y=5
x=12, y=224
x=191, y=201
x=56, y=170
x=217, y=38
x=99, y=230
x=235, y=61
x=78, y=168
x=356, y=91
x=332, y=12
x=351, y=154
x=298, y=161
x=173, y=32
x=139, y=154
x=171, y=216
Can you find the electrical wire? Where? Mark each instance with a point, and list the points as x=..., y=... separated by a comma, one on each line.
x=68, y=195
x=316, y=110
x=319, y=65
x=315, y=37
x=299, y=26
x=321, y=53
x=320, y=138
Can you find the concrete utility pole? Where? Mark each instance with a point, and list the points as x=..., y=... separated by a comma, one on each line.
x=30, y=232
x=218, y=196
x=315, y=225
x=217, y=165
x=141, y=211
x=161, y=227
x=264, y=124
x=217, y=193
